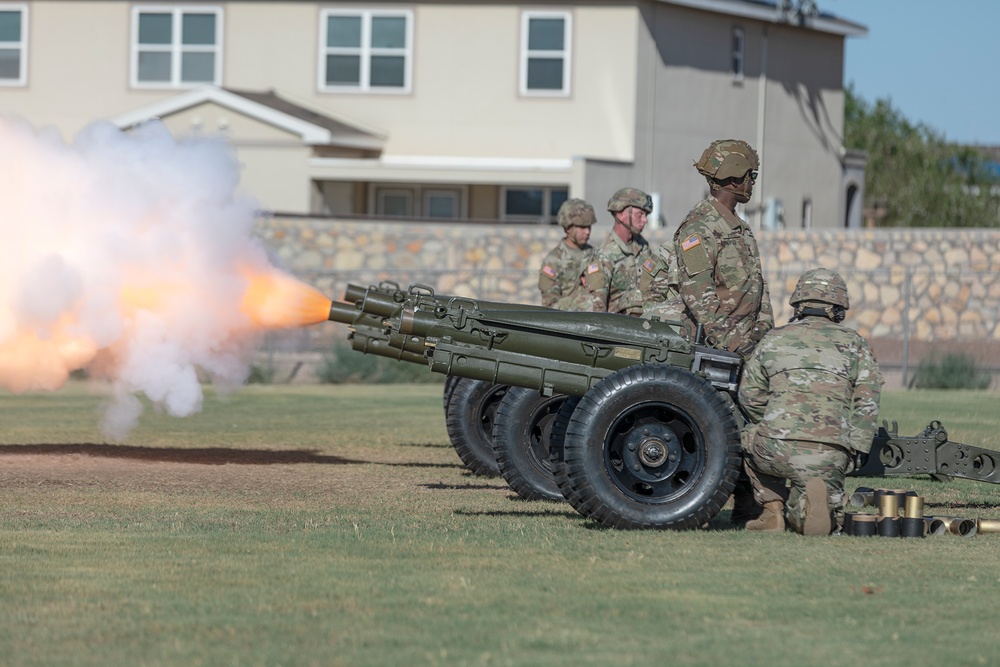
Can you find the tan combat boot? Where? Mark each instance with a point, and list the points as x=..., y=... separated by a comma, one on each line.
x=771, y=520
x=817, y=509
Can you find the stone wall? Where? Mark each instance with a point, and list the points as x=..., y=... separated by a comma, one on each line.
x=914, y=292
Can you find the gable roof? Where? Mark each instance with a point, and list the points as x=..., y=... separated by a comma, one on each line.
x=312, y=127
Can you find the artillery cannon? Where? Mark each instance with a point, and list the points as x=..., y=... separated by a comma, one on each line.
x=631, y=422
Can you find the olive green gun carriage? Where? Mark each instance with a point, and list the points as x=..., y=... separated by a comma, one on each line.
x=630, y=421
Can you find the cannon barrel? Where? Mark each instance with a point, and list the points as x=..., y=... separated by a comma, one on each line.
x=387, y=300
x=554, y=351
x=370, y=335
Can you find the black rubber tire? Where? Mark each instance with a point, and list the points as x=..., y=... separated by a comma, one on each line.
x=521, y=442
x=469, y=420
x=651, y=446
x=450, y=383
x=557, y=442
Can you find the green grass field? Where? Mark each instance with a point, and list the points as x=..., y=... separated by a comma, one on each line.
x=334, y=525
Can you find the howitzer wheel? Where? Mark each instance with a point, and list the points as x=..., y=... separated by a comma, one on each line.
x=651, y=447
x=521, y=436
x=450, y=383
x=557, y=441
x=469, y=419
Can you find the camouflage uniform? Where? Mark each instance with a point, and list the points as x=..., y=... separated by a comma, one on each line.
x=561, y=277
x=617, y=286
x=811, y=392
x=658, y=285
x=561, y=280
x=720, y=278
x=618, y=283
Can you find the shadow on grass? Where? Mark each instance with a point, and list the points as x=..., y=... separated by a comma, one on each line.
x=198, y=455
x=426, y=445
x=439, y=486
x=540, y=512
x=417, y=464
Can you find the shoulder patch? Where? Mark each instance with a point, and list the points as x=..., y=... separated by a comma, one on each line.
x=593, y=268
x=549, y=271
x=648, y=265
x=691, y=242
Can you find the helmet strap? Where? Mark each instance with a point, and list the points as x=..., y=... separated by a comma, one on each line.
x=830, y=312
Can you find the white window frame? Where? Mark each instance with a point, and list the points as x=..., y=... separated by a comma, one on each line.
x=545, y=218
x=176, y=48
x=21, y=45
x=365, y=52
x=738, y=58
x=565, y=54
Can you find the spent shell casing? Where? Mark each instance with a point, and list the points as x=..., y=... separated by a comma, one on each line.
x=913, y=507
x=987, y=526
x=888, y=504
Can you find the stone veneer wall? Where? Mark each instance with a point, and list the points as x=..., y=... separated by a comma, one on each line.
x=913, y=291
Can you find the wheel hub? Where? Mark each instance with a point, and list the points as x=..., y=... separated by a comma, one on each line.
x=652, y=452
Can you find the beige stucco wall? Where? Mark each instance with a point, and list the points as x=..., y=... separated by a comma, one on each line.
x=688, y=98
x=465, y=76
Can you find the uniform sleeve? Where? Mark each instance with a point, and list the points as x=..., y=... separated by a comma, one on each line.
x=754, y=388
x=548, y=281
x=597, y=280
x=696, y=254
x=766, y=316
x=867, y=392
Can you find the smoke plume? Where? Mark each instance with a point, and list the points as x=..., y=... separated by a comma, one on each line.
x=132, y=256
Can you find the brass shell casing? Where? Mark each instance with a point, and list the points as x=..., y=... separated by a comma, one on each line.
x=913, y=507
x=888, y=505
x=987, y=526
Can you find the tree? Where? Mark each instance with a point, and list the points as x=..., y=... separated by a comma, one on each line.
x=914, y=175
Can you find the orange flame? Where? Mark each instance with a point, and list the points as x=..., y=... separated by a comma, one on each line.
x=276, y=301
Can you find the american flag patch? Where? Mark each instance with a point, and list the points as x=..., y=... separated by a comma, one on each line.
x=549, y=271
x=648, y=265
x=690, y=242
x=593, y=268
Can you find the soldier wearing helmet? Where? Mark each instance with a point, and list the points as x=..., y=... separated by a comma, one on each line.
x=719, y=272
x=562, y=278
x=623, y=253
x=811, y=392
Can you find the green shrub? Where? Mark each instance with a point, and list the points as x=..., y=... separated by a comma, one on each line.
x=952, y=371
x=346, y=366
x=261, y=374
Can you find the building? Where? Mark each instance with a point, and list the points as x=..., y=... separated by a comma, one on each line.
x=452, y=109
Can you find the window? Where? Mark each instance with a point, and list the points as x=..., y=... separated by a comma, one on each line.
x=739, y=47
x=13, y=51
x=366, y=51
x=395, y=203
x=532, y=204
x=545, y=53
x=441, y=204
x=175, y=48
x=807, y=213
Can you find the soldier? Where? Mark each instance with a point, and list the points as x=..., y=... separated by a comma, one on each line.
x=811, y=391
x=658, y=284
x=561, y=279
x=720, y=277
x=622, y=255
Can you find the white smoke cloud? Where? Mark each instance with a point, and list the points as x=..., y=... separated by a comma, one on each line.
x=128, y=255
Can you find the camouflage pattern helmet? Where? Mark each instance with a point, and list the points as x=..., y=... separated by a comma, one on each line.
x=821, y=286
x=576, y=213
x=626, y=197
x=727, y=158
